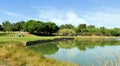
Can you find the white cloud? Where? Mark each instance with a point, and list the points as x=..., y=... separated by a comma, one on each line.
x=60, y=16
x=72, y=53
x=74, y=18
x=107, y=19
x=15, y=15
x=105, y=16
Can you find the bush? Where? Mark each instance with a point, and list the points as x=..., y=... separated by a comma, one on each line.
x=66, y=32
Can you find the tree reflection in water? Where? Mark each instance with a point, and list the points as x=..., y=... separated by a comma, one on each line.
x=45, y=49
x=82, y=45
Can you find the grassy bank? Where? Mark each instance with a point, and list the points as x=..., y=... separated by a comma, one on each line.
x=97, y=37
x=29, y=37
x=94, y=38
x=19, y=55
x=13, y=52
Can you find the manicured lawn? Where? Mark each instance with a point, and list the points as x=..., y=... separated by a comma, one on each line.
x=12, y=39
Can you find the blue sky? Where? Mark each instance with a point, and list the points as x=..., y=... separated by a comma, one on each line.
x=97, y=12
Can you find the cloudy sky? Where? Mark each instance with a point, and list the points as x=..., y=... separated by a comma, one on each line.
x=96, y=12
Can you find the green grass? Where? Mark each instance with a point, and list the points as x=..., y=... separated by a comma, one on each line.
x=13, y=52
x=12, y=39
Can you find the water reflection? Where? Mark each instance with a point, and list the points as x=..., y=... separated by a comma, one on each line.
x=45, y=49
x=83, y=52
x=83, y=45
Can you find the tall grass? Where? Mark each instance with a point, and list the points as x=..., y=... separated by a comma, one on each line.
x=19, y=55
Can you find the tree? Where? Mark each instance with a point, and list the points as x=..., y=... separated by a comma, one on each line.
x=102, y=30
x=18, y=25
x=14, y=27
x=91, y=26
x=50, y=28
x=69, y=26
x=82, y=26
x=7, y=26
x=33, y=26
x=77, y=30
x=30, y=26
x=40, y=27
x=1, y=28
x=112, y=32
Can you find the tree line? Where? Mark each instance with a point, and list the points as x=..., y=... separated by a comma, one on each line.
x=50, y=28
x=89, y=30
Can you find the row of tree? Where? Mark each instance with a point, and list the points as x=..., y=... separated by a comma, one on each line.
x=11, y=27
x=83, y=29
x=31, y=26
x=49, y=28
x=99, y=31
x=39, y=27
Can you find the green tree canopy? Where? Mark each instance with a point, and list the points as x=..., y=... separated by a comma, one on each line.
x=82, y=26
x=7, y=26
x=50, y=27
x=33, y=26
x=91, y=26
x=69, y=26
x=1, y=28
x=18, y=25
x=30, y=26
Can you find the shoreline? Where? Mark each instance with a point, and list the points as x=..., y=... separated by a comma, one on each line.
x=28, y=43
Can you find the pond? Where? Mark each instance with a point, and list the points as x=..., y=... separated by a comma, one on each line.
x=92, y=52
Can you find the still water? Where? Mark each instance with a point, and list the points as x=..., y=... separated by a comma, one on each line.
x=83, y=52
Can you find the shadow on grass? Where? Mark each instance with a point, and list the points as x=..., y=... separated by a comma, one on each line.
x=4, y=34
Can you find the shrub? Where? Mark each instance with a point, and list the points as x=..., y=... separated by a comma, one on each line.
x=66, y=32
